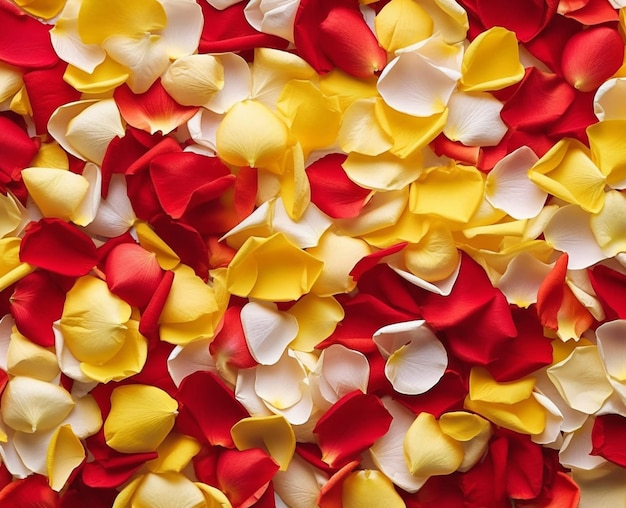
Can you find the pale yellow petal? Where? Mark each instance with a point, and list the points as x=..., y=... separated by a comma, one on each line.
x=29, y=405
x=10, y=81
x=383, y=172
x=193, y=80
x=105, y=77
x=273, y=434
x=167, y=490
x=608, y=225
x=428, y=451
x=25, y=358
x=213, y=497
x=369, y=489
x=10, y=215
x=141, y=417
x=65, y=453
x=360, y=131
x=435, y=257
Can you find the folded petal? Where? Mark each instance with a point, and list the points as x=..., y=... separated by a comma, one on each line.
x=474, y=119
x=608, y=102
x=194, y=80
x=272, y=16
x=522, y=279
x=317, y=318
x=270, y=433
x=141, y=417
x=65, y=454
x=382, y=172
x=606, y=147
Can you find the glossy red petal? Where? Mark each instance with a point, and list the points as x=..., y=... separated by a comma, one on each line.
x=245, y=475
x=447, y=395
x=591, y=57
x=30, y=492
x=59, y=247
x=610, y=287
x=331, y=493
x=201, y=393
x=149, y=323
x=228, y=30
x=386, y=285
x=539, y=101
x=485, y=483
x=608, y=438
x=523, y=482
x=563, y=493
x=364, y=314
x=524, y=17
x=370, y=261
x=246, y=187
x=592, y=12
x=528, y=351
x=132, y=273
x=548, y=46
x=350, y=427
x=574, y=122
x=153, y=110
x=114, y=471
x=439, y=491
x=186, y=179
x=229, y=346
x=36, y=303
x=331, y=189
x=550, y=294
x=17, y=149
x=79, y=495
x=46, y=92
x=24, y=41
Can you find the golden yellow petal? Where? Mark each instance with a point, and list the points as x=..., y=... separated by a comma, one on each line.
x=428, y=451
x=65, y=453
x=317, y=319
x=175, y=453
x=105, y=77
x=45, y=9
x=189, y=299
x=11, y=268
x=435, y=257
x=346, y=88
x=50, y=155
x=401, y=23
x=294, y=184
x=607, y=149
x=93, y=321
x=150, y=241
x=272, y=433
x=214, y=498
x=483, y=387
x=462, y=426
x=525, y=417
x=369, y=489
x=141, y=417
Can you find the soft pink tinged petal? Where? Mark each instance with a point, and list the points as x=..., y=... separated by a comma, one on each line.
x=388, y=451
x=268, y=331
x=576, y=449
x=509, y=188
x=474, y=119
x=569, y=231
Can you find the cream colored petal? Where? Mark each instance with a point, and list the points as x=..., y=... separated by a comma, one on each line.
x=360, y=131
x=280, y=384
x=85, y=418
x=576, y=449
x=167, y=490
x=603, y=486
x=10, y=215
x=7, y=324
x=56, y=192
x=29, y=405
x=10, y=81
x=522, y=279
x=383, y=172
x=236, y=84
x=246, y=394
x=474, y=119
x=203, y=128
x=472, y=431
x=115, y=214
x=32, y=448
x=275, y=17
x=68, y=363
x=581, y=379
x=65, y=454
x=300, y=484
x=608, y=225
x=572, y=419
x=554, y=420
x=90, y=131
x=610, y=337
x=338, y=372
x=267, y=330
x=25, y=358
x=11, y=459
x=388, y=451
x=449, y=17
x=145, y=55
x=609, y=102
x=569, y=231
x=182, y=33
x=383, y=210
x=443, y=287
x=194, y=80
x=304, y=232
x=510, y=189
x=191, y=358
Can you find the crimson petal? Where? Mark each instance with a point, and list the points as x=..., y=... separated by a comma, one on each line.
x=17, y=150
x=30, y=492
x=350, y=427
x=608, y=438
x=58, y=246
x=230, y=343
x=610, y=286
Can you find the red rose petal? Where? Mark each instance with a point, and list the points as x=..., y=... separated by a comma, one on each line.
x=244, y=476
x=591, y=12
x=331, y=493
x=30, y=492
x=548, y=46
x=370, y=261
x=447, y=395
x=212, y=405
x=58, y=246
x=456, y=150
x=610, y=286
x=591, y=57
x=36, y=303
x=17, y=150
x=608, y=438
x=153, y=110
x=331, y=189
x=24, y=41
x=149, y=323
x=351, y=426
x=229, y=347
x=523, y=482
x=46, y=92
x=132, y=273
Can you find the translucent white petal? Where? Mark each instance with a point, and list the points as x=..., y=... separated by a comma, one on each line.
x=609, y=102
x=299, y=413
x=59, y=120
x=576, y=448
x=203, y=127
x=509, y=188
x=569, y=231
x=442, y=287
x=338, y=372
x=274, y=17
x=86, y=418
x=268, y=331
x=6, y=329
x=572, y=419
x=388, y=451
x=237, y=83
x=300, y=484
x=194, y=357
x=115, y=214
x=32, y=449
x=416, y=359
x=11, y=459
x=280, y=384
x=307, y=231
x=522, y=279
x=246, y=394
x=182, y=33
x=474, y=119
x=554, y=420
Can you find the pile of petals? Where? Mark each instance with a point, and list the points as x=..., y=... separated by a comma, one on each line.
x=303, y=253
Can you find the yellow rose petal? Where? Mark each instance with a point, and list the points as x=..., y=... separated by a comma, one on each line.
x=273, y=434
x=347, y=88
x=317, y=319
x=369, y=489
x=10, y=81
x=193, y=80
x=165, y=490
x=50, y=155
x=272, y=269
x=175, y=453
x=607, y=150
x=295, y=189
x=93, y=321
x=65, y=453
x=25, y=358
x=107, y=76
x=401, y=23
x=435, y=257
x=251, y=135
x=150, y=241
x=141, y=417
x=45, y=9
x=428, y=451
x=11, y=268
x=484, y=387
x=608, y=225
x=491, y=61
